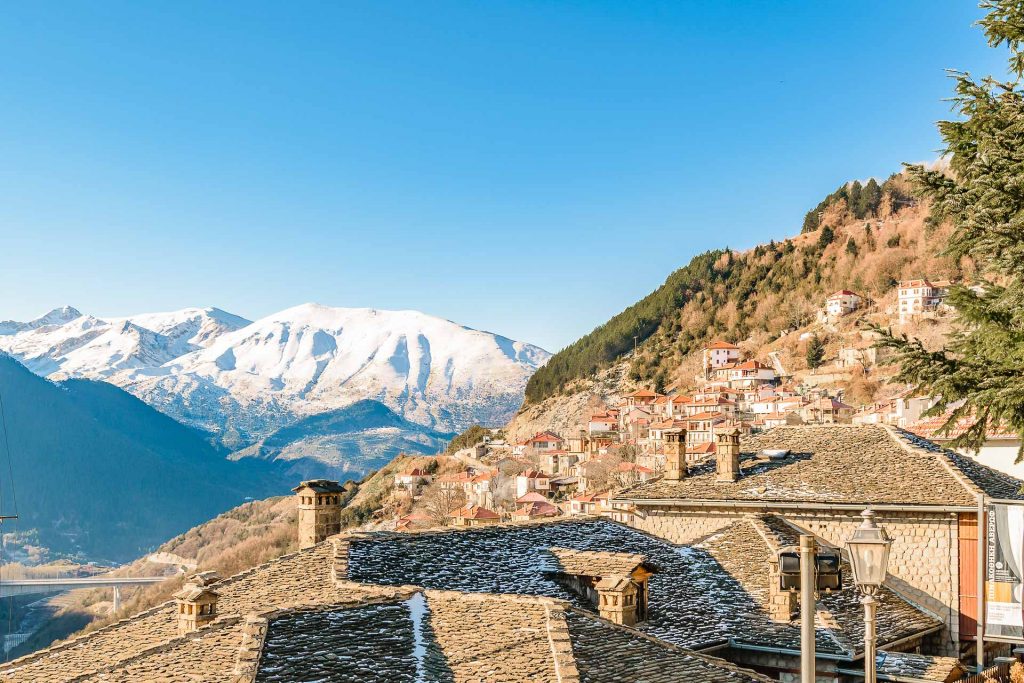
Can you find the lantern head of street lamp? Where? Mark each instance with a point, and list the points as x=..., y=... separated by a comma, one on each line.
x=869, y=554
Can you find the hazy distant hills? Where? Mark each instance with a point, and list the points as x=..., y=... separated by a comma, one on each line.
x=292, y=375
x=100, y=473
x=344, y=443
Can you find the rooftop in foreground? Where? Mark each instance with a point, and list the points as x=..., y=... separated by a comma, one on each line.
x=855, y=465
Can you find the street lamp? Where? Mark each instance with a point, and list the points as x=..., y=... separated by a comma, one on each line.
x=869, y=556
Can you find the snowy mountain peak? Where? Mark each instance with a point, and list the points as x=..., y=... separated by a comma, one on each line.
x=57, y=316
x=313, y=358
x=221, y=372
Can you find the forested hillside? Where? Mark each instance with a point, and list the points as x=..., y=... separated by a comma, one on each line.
x=101, y=475
x=761, y=292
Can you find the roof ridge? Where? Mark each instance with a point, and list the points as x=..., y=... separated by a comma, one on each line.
x=562, y=655
x=944, y=460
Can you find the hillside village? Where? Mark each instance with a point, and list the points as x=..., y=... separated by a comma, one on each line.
x=564, y=472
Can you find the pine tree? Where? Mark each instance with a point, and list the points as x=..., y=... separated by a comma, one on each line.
x=851, y=247
x=854, y=199
x=870, y=198
x=825, y=237
x=980, y=372
x=815, y=352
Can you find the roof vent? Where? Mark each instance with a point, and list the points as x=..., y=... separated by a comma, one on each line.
x=775, y=453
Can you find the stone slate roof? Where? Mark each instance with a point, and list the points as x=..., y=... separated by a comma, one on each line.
x=923, y=667
x=853, y=464
x=296, y=619
x=701, y=595
x=589, y=563
x=444, y=637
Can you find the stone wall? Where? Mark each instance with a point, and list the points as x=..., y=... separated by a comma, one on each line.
x=923, y=565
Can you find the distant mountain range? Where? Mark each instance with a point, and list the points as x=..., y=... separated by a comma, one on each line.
x=100, y=474
x=287, y=386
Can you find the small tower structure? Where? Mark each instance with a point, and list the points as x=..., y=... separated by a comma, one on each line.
x=319, y=510
x=675, y=454
x=197, y=602
x=617, y=600
x=727, y=454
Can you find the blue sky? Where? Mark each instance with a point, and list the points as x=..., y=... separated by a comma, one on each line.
x=530, y=168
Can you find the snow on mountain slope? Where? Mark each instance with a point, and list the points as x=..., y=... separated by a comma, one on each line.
x=311, y=358
x=65, y=343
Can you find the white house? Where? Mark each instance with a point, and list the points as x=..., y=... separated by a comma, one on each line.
x=919, y=296
x=532, y=480
x=842, y=303
x=720, y=353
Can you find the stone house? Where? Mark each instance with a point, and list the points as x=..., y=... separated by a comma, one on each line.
x=819, y=478
x=827, y=410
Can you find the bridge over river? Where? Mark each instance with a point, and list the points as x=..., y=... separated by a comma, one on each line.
x=9, y=587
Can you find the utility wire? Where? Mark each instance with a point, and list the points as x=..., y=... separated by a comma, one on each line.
x=14, y=499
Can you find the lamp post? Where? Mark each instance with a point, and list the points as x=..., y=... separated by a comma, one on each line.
x=869, y=556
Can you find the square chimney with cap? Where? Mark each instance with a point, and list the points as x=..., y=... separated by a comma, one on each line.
x=319, y=510
x=197, y=602
x=675, y=454
x=727, y=454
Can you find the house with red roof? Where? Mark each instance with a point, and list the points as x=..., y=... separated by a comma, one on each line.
x=532, y=480
x=720, y=353
x=917, y=297
x=535, y=510
x=413, y=480
x=998, y=452
x=640, y=397
x=474, y=515
x=842, y=303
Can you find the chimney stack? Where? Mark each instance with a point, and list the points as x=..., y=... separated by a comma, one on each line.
x=727, y=454
x=782, y=604
x=319, y=510
x=197, y=602
x=675, y=454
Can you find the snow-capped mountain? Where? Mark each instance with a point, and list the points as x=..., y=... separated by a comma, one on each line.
x=311, y=359
x=65, y=343
x=246, y=380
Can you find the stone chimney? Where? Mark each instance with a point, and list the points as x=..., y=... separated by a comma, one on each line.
x=675, y=454
x=782, y=604
x=617, y=600
x=727, y=454
x=319, y=510
x=197, y=602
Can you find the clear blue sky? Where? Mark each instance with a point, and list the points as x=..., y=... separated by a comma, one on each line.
x=530, y=168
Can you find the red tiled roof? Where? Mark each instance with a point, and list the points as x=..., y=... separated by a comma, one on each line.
x=843, y=292
x=544, y=509
x=722, y=345
x=549, y=437
x=531, y=497
x=633, y=467
x=475, y=512
x=929, y=428
x=641, y=393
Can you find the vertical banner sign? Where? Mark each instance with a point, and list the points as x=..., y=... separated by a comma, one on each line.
x=1004, y=571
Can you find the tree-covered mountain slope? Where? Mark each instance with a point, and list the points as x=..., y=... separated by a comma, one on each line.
x=101, y=475
x=757, y=294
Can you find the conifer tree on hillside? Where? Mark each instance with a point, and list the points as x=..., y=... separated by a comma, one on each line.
x=980, y=372
x=815, y=352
